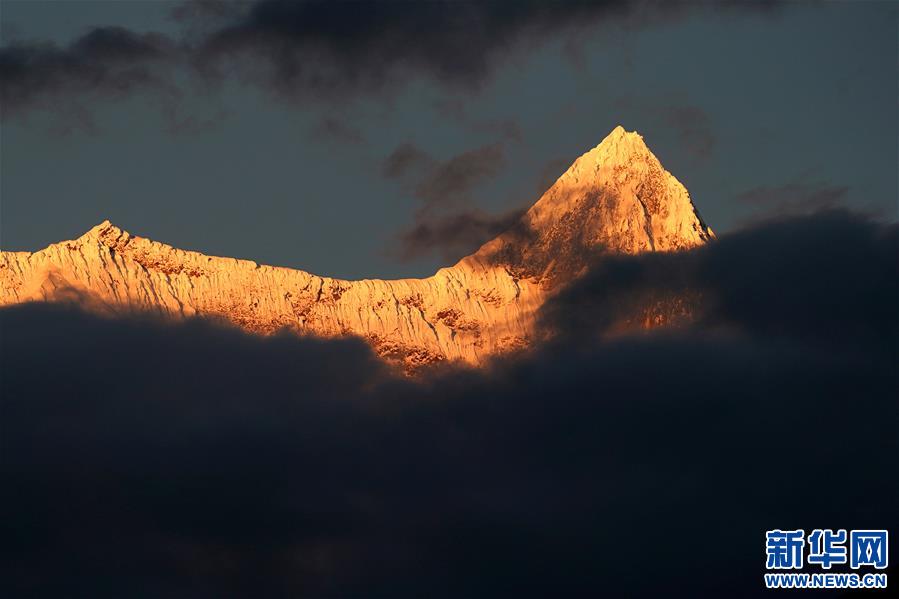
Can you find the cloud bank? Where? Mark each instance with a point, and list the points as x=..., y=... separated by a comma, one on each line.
x=145, y=458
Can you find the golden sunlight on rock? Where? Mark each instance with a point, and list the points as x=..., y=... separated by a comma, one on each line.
x=615, y=198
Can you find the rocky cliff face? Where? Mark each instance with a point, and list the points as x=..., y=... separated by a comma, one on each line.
x=615, y=198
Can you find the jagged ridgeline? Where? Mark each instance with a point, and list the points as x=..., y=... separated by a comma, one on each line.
x=616, y=198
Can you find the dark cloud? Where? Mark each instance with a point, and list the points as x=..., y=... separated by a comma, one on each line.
x=452, y=181
x=329, y=127
x=107, y=62
x=444, y=183
x=406, y=159
x=793, y=198
x=786, y=277
x=453, y=235
x=445, y=222
x=328, y=47
x=143, y=458
x=322, y=49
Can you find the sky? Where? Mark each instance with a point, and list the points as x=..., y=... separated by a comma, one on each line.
x=266, y=132
x=153, y=457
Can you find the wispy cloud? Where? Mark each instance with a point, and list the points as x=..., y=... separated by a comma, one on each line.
x=446, y=220
x=315, y=49
x=793, y=198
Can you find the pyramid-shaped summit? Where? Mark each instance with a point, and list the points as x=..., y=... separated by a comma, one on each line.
x=615, y=198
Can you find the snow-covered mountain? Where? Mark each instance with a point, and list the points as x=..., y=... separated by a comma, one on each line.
x=615, y=198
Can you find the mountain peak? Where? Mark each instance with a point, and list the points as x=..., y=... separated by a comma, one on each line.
x=101, y=230
x=617, y=197
x=618, y=134
x=621, y=141
x=619, y=147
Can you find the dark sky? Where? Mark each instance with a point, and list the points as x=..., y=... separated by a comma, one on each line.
x=264, y=131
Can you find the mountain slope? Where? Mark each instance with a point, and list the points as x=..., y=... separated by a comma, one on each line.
x=615, y=198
